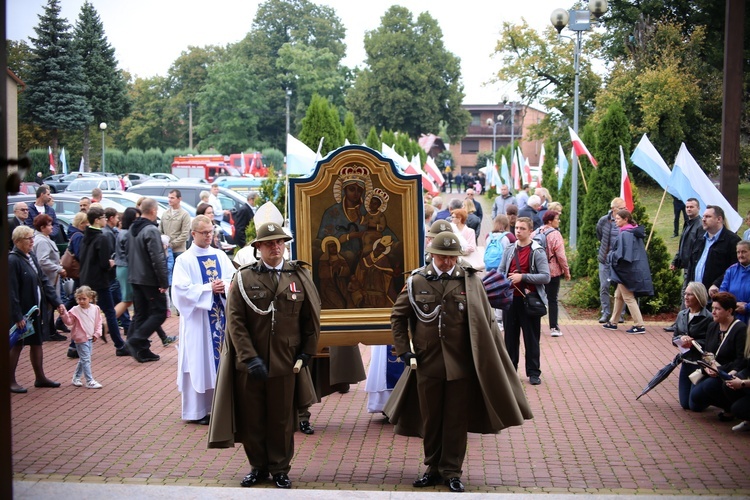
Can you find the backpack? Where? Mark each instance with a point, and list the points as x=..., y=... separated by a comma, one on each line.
x=493, y=254
x=540, y=236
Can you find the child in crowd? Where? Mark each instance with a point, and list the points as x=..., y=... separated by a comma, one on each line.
x=85, y=323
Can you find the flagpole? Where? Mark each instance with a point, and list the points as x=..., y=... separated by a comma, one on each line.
x=583, y=176
x=656, y=217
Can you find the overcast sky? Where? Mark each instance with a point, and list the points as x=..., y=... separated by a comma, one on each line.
x=148, y=35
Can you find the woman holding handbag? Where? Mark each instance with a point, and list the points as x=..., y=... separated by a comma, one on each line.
x=525, y=265
x=725, y=338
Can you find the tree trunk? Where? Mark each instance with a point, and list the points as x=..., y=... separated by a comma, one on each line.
x=86, y=147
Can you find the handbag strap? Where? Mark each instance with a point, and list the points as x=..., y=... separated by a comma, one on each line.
x=518, y=264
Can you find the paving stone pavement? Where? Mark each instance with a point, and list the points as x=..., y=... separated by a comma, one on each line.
x=588, y=435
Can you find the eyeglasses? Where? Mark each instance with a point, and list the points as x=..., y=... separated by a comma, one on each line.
x=30, y=238
x=205, y=234
x=22, y=209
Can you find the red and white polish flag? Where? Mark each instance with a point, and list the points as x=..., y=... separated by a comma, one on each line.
x=580, y=148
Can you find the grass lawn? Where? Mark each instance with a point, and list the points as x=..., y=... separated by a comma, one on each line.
x=651, y=197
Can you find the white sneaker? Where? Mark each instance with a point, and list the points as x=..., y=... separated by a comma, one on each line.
x=742, y=426
x=77, y=382
x=93, y=384
x=555, y=332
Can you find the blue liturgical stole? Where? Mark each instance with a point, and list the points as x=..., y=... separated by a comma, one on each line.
x=211, y=271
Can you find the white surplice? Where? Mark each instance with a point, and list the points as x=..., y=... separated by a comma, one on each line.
x=196, y=368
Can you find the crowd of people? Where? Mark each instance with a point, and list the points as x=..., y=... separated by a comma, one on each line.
x=247, y=337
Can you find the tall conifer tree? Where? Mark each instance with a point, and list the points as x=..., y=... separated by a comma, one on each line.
x=105, y=86
x=55, y=94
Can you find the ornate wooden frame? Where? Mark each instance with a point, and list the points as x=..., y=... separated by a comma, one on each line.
x=309, y=196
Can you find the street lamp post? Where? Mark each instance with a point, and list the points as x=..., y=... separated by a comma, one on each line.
x=580, y=21
x=494, y=133
x=288, y=97
x=103, y=126
x=512, y=126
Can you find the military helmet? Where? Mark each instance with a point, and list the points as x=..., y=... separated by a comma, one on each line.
x=439, y=226
x=445, y=243
x=270, y=231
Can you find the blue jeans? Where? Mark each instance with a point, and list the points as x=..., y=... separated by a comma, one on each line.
x=684, y=385
x=107, y=305
x=707, y=393
x=84, y=360
x=116, y=299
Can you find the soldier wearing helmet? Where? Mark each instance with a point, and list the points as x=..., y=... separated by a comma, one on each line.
x=445, y=312
x=273, y=321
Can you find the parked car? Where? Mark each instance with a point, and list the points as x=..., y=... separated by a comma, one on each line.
x=230, y=200
x=136, y=179
x=58, y=182
x=87, y=185
x=163, y=201
x=27, y=188
x=243, y=185
x=128, y=199
x=65, y=203
x=164, y=176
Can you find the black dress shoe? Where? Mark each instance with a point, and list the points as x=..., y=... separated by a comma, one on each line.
x=282, y=480
x=72, y=353
x=122, y=351
x=305, y=427
x=455, y=485
x=255, y=476
x=428, y=479
x=202, y=421
x=47, y=383
x=18, y=390
x=56, y=337
x=670, y=328
x=59, y=325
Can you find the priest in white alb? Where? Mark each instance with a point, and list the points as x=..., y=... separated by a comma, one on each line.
x=200, y=282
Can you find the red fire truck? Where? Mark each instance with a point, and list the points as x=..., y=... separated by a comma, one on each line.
x=207, y=167
x=250, y=164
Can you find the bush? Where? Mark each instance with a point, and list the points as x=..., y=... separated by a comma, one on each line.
x=135, y=161
x=154, y=161
x=114, y=161
x=274, y=159
x=39, y=163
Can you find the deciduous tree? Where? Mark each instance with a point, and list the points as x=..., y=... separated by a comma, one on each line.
x=411, y=82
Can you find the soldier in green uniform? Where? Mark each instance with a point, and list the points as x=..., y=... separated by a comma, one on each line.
x=465, y=381
x=273, y=321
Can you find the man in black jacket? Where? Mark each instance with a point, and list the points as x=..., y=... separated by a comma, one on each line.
x=714, y=252
x=692, y=231
x=147, y=271
x=242, y=218
x=98, y=270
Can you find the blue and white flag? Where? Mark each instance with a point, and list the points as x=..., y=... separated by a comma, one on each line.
x=300, y=160
x=63, y=162
x=647, y=158
x=504, y=172
x=691, y=182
